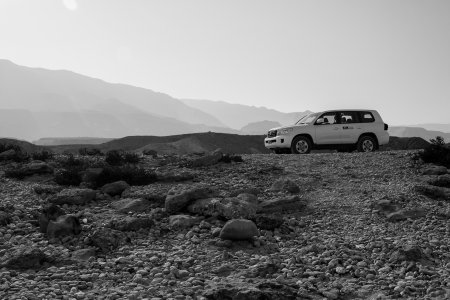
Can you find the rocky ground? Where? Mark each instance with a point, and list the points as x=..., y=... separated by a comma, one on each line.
x=344, y=226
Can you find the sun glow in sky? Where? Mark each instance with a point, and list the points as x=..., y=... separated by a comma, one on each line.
x=290, y=55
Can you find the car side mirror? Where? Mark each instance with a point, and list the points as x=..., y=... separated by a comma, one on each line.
x=319, y=121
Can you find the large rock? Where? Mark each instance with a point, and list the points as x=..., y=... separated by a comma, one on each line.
x=35, y=167
x=239, y=229
x=50, y=212
x=5, y=218
x=404, y=214
x=26, y=258
x=115, y=188
x=285, y=185
x=209, y=159
x=75, y=196
x=407, y=253
x=107, y=239
x=183, y=221
x=435, y=170
x=8, y=154
x=132, y=205
x=65, y=225
x=442, y=181
x=433, y=192
x=131, y=223
x=242, y=206
x=180, y=196
x=90, y=175
x=262, y=291
x=288, y=204
x=47, y=189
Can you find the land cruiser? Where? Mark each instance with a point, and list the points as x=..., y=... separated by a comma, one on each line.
x=343, y=130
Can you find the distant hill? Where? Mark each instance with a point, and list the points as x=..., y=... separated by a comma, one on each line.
x=237, y=115
x=259, y=128
x=26, y=146
x=36, y=102
x=180, y=144
x=403, y=131
x=71, y=141
x=434, y=127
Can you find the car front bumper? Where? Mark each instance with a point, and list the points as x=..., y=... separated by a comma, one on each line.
x=278, y=142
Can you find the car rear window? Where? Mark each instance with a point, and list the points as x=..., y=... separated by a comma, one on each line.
x=366, y=117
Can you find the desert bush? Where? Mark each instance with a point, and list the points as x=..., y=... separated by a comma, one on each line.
x=132, y=175
x=19, y=156
x=90, y=152
x=43, y=155
x=437, y=153
x=114, y=157
x=131, y=158
x=15, y=173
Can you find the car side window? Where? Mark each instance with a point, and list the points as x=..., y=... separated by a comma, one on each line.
x=328, y=119
x=348, y=117
x=366, y=117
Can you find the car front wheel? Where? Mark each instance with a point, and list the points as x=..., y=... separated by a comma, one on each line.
x=301, y=145
x=366, y=144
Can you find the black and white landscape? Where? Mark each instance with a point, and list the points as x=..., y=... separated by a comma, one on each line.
x=133, y=163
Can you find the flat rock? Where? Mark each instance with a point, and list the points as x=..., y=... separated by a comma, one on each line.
x=74, y=196
x=26, y=258
x=286, y=204
x=239, y=229
x=268, y=221
x=107, y=239
x=264, y=290
x=131, y=223
x=442, y=181
x=132, y=205
x=83, y=254
x=435, y=170
x=115, y=188
x=433, y=192
x=242, y=206
x=183, y=221
x=180, y=196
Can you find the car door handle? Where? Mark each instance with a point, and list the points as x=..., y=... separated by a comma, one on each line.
x=347, y=127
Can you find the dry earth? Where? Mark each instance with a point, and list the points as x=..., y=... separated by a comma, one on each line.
x=365, y=233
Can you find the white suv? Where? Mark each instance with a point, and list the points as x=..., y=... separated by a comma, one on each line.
x=343, y=130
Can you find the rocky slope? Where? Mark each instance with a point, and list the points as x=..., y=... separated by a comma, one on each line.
x=328, y=226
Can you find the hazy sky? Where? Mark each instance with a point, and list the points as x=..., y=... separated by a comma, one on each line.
x=393, y=56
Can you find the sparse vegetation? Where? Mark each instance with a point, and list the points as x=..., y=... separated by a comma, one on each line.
x=43, y=155
x=90, y=152
x=437, y=153
x=17, y=154
x=116, y=158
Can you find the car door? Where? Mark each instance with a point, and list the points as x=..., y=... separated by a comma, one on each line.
x=349, y=126
x=328, y=131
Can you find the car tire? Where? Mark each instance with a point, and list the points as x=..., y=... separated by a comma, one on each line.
x=301, y=145
x=366, y=144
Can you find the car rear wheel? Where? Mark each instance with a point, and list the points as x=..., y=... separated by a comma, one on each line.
x=366, y=144
x=301, y=145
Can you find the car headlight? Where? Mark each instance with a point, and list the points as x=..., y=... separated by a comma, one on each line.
x=285, y=131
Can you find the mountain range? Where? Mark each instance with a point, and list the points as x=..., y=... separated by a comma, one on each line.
x=38, y=103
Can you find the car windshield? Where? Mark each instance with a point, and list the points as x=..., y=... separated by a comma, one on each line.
x=308, y=119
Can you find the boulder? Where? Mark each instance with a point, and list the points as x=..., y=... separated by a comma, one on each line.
x=132, y=205
x=47, y=189
x=180, y=196
x=209, y=159
x=131, y=223
x=268, y=221
x=183, y=221
x=433, y=192
x=407, y=253
x=50, y=212
x=435, y=170
x=5, y=218
x=242, y=206
x=239, y=229
x=65, y=225
x=115, y=188
x=34, y=168
x=288, y=204
x=107, y=239
x=442, y=181
x=83, y=254
x=75, y=196
x=8, y=154
x=174, y=176
x=26, y=258
x=285, y=185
